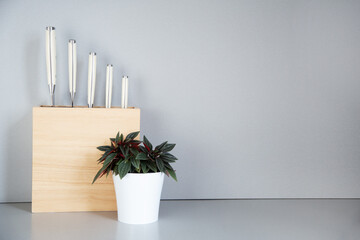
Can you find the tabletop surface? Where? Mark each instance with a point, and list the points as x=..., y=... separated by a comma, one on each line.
x=194, y=219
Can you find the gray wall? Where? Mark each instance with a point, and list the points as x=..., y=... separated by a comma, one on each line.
x=261, y=97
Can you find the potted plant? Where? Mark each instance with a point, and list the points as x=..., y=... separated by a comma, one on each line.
x=138, y=171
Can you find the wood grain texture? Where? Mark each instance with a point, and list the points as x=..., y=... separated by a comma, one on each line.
x=65, y=156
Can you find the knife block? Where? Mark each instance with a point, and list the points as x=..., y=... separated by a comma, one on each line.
x=65, y=156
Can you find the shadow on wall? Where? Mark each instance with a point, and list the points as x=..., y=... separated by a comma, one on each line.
x=18, y=153
x=18, y=160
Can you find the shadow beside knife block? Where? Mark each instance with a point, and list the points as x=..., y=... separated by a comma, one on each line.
x=65, y=156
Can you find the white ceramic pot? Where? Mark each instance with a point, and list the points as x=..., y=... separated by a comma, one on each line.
x=138, y=197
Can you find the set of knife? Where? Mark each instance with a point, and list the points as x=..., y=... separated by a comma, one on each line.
x=72, y=60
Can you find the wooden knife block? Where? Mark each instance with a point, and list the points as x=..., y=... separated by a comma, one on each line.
x=65, y=156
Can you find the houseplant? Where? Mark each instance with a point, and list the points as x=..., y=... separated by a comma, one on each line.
x=138, y=171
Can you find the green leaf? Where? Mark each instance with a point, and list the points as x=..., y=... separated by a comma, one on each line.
x=135, y=142
x=160, y=164
x=115, y=170
x=143, y=149
x=152, y=166
x=142, y=156
x=168, y=147
x=147, y=143
x=117, y=138
x=97, y=175
x=159, y=147
x=136, y=163
x=167, y=160
x=168, y=156
x=168, y=166
x=121, y=138
x=131, y=136
x=122, y=150
x=104, y=156
x=109, y=158
x=104, y=148
x=124, y=168
x=134, y=151
x=144, y=168
x=172, y=174
x=100, y=172
x=114, y=145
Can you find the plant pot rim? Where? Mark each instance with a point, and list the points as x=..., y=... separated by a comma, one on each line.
x=134, y=174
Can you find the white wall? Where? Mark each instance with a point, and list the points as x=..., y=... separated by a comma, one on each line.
x=261, y=97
